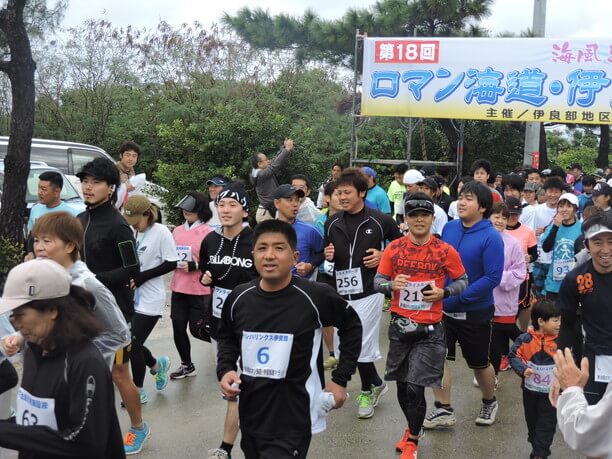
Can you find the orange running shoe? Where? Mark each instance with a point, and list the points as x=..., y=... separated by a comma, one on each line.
x=409, y=451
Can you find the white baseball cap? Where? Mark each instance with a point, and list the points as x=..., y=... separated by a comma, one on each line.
x=412, y=177
x=596, y=230
x=39, y=279
x=571, y=197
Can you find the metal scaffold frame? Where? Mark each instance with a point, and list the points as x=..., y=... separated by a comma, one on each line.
x=409, y=125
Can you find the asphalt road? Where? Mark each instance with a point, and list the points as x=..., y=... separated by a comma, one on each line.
x=187, y=418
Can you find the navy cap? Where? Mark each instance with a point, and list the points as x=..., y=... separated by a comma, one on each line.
x=217, y=181
x=286, y=191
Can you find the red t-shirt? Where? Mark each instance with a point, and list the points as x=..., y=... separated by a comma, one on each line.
x=431, y=262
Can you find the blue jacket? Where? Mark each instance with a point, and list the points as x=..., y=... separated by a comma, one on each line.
x=481, y=249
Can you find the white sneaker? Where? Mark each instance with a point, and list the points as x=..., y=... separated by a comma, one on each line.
x=439, y=417
x=487, y=414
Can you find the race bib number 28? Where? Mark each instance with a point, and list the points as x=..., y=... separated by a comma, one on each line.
x=266, y=355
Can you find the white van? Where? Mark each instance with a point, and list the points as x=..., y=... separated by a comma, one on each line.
x=68, y=157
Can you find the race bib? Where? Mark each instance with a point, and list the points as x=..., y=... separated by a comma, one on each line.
x=561, y=268
x=543, y=257
x=456, y=315
x=349, y=282
x=266, y=355
x=184, y=253
x=328, y=268
x=412, y=296
x=603, y=368
x=541, y=379
x=35, y=411
x=218, y=299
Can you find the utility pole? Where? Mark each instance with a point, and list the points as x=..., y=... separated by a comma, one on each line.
x=532, y=130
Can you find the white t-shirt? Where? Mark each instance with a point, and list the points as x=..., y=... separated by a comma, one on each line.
x=452, y=210
x=536, y=217
x=214, y=222
x=440, y=220
x=154, y=246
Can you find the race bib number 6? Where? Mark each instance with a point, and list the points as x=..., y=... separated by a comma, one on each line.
x=266, y=355
x=349, y=282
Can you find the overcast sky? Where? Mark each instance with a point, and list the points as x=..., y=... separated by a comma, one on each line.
x=564, y=18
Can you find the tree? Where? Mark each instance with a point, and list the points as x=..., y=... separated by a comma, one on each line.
x=312, y=39
x=20, y=71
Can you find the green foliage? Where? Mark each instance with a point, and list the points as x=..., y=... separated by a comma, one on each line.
x=585, y=156
x=312, y=38
x=11, y=254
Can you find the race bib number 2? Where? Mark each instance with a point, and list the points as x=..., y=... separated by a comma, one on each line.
x=266, y=355
x=218, y=299
x=184, y=253
x=35, y=411
x=349, y=282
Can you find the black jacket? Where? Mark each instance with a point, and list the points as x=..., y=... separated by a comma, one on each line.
x=105, y=229
x=80, y=383
x=374, y=231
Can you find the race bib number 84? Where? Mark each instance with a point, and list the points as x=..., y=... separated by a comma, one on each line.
x=266, y=355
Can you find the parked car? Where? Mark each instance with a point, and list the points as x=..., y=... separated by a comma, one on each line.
x=69, y=158
x=69, y=195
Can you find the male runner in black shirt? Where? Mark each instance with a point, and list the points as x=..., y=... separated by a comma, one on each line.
x=274, y=325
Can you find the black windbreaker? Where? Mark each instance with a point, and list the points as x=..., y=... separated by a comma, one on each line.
x=80, y=383
x=105, y=228
x=373, y=232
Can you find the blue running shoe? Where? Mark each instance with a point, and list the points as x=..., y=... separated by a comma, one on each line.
x=161, y=377
x=135, y=438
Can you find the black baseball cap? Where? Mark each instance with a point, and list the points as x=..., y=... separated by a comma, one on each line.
x=101, y=169
x=602, y=188
x=286, y=191
x=575, y=166
x=429, y=183
x=418, y=205
x=514, y=205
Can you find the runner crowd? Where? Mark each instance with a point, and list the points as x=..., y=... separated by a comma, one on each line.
x=516, y=271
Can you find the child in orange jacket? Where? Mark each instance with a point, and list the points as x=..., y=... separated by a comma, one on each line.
x=532, y=359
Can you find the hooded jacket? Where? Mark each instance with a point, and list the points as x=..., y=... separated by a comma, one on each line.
x=105, y=230
x=482, y=253
x=116, y=333
x=506, y=294
x=532, y=346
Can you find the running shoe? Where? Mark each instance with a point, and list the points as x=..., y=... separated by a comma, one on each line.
x=143, y=398
x=409, y=451
x=399, y=446
x=378, y=392
x=505, y=363
x=439, y=417
x=135, y=439
x=161, y=377
x=365, y=407
x=487, y=414
x=330, y=363
x=184, y=371
x=218, y=453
